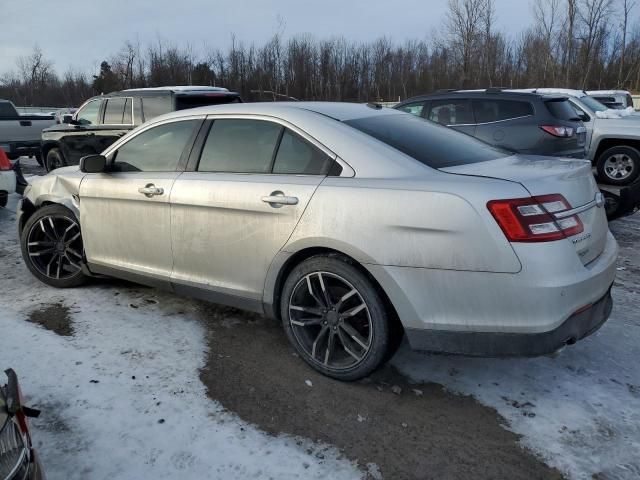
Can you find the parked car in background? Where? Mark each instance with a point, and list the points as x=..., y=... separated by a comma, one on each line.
x=616, y=99
x=18, y=459
x=526, y=123
x=7, y=179
x=350, y=223
x=64, y=115
x=102, y=120
x=613, y=141
x=20, y=134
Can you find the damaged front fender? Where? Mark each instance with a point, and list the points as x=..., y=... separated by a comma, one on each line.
x=61, y=187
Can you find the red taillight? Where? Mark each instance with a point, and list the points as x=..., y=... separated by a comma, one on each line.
x=532, y=219
x=558, y=131
x=5, y=164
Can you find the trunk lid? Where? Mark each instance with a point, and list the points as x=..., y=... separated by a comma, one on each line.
x=572, y=179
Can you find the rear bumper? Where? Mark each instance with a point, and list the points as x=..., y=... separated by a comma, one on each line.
x=499, y=344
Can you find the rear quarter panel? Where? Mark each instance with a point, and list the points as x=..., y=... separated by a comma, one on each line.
x=441, y=223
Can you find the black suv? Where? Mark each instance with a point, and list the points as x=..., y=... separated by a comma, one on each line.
x=102, y=120
x=526, y=123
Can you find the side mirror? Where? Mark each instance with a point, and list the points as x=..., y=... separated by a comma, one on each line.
x=584, y=117
x=68, y=119
x=93, y=164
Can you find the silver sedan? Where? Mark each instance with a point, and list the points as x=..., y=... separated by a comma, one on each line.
x=354, y=225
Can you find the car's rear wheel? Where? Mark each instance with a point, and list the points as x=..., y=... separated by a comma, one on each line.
x=54, y=160
x=52, y=247
x=334, y=317
x=619, y=165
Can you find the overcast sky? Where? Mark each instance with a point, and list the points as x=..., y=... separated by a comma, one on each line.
x=80, y=34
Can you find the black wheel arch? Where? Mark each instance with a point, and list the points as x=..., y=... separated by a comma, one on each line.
x=272, y=305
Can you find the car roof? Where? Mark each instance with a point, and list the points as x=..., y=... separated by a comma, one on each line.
x=173, y=90
x=340, y=111
x=179, y=88
x=608, y=92
x=553, y=91
x=493, y=93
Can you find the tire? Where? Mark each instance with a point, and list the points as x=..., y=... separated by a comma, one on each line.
x=329, y=336
x=39, y=159
x=54, y=160
x=619, y=165
x=57, y=261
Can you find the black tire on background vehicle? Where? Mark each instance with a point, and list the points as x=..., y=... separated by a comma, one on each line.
x=52, y=247
x=54, y=160
x=619, y=165
x=39, y=159
x=334, y=317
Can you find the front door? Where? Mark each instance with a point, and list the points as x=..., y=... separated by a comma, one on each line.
x=239, y=207
x=125, y=213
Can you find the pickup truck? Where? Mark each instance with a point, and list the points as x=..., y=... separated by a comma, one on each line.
x=102, y=120
x=20, y=134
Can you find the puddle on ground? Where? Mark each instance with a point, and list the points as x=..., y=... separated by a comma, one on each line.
x=55, y=317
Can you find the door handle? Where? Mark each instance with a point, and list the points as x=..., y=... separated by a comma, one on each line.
x=151, y=190
x=277, y=199
x=25, y=123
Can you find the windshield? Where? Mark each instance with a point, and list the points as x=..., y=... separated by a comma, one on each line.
x=593, y=104
x=431, y=144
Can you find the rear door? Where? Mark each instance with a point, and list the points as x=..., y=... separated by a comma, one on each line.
x=239, y=206
x=505, y=123
x=125, y=213
x=455, y=113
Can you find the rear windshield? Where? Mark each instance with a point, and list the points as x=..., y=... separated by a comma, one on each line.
x=429, y=143
x=561, y=109
x=193, y=101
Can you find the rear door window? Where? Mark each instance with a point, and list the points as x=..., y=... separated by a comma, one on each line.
x=561, y=109
x=296, y=156
x=433, y=145
x=451, y=112
x=240, y=146
x=490, y=110
x=114, y=111
x=6, y=110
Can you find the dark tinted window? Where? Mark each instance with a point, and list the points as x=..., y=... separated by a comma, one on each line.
x=193, y=101
x=240, y=146
x=155, y=150
x=433, y=145
x=7, y=110
x=451, y=112
x=155, y=106
x=412, y=108
x=114, y=111
x=297, y=156
x=88, y=115
x=496, y=110
x=561, y=109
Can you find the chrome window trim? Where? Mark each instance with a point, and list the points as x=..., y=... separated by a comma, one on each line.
x=144, y=128
x=100, y=99
x=487, y=123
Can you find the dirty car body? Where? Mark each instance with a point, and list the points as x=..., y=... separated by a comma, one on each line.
x=467, y=248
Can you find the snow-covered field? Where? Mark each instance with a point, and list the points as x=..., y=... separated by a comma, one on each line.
x=122, y=398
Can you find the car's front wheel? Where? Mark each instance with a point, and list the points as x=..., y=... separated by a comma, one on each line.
x=619, y=165
x=335, y=318
x=54, y=160
x=52, y=247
